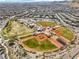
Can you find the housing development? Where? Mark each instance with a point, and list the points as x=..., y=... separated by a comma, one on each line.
x=39, y=30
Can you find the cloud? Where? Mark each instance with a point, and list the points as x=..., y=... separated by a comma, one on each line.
x=26, y=0
x=44, y=0
x=2, y=0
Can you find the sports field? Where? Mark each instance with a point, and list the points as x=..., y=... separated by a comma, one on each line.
x=38, y=41
x=39, y=45
x=46, y=23
x=65, y=32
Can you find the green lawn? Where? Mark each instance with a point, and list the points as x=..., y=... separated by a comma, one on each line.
x=32, y=43
x=40, y=45
x=44, y=45
x=46, y=23
x=65, y=32
x=7, y=28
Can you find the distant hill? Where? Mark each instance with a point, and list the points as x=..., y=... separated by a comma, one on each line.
x=74, y=4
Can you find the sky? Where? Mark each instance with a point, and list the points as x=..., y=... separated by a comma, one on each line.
x=27, y=0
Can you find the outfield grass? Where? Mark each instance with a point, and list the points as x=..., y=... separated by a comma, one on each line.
x=46, y=23
x=39, y=45
x=46, y=44
x=65, y=32
x=32, y=43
